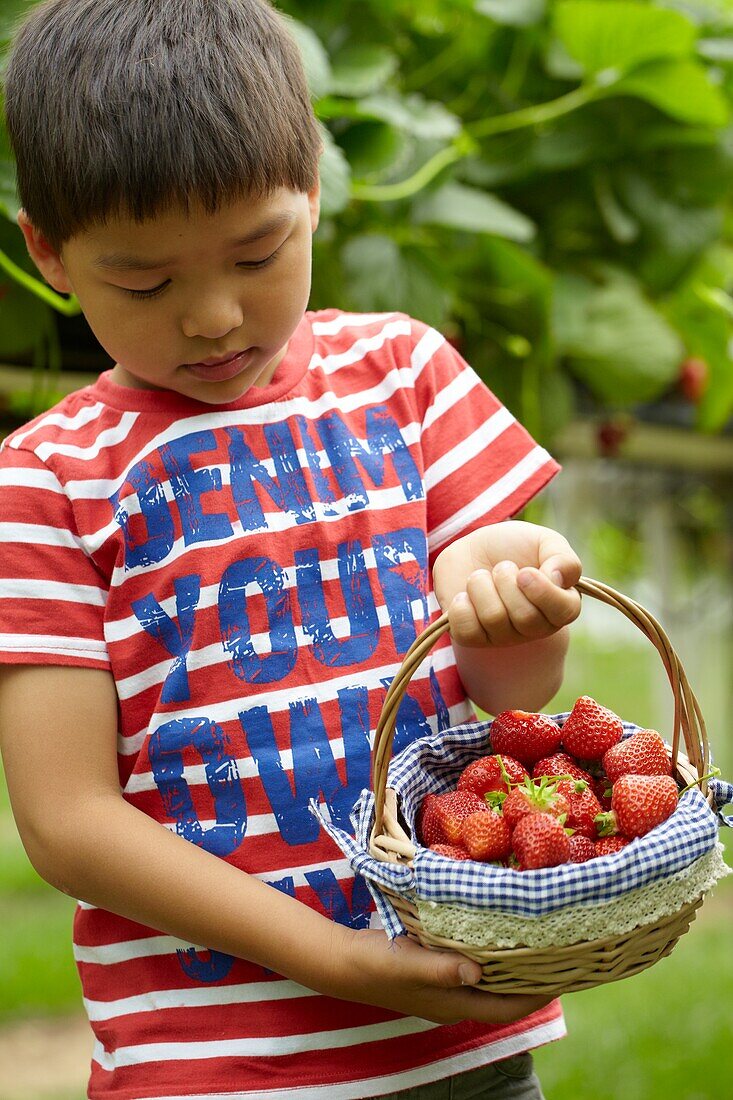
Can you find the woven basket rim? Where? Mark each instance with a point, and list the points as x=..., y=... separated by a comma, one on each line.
x=688, y=722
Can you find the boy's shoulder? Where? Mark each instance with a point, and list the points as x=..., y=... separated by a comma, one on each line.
x=394, y=323
x=375, y=342
x=69, y=414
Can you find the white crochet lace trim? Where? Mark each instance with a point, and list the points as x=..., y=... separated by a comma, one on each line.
x=576, y=923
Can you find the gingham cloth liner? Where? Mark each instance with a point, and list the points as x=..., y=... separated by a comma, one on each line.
x=433, y=764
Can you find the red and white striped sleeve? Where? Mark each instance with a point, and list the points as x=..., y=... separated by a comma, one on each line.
x=481, y=465
x=52, y=598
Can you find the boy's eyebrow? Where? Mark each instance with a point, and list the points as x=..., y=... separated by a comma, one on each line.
x=125, y=261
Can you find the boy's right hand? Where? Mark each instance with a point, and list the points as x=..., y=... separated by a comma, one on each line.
x=417, y=981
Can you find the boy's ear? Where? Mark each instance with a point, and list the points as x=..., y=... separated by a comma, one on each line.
x=314, y=204
x=44, y=256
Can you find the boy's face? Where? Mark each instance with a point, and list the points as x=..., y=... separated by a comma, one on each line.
x=200, y=304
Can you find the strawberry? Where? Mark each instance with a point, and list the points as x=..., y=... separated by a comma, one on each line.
x=607, y=845
x=602, y=790
x=486, y=836
x=582, y=848
x=584, y=806
x=693, y=379
x=452, y=807
x=534, y=798
x=590, y=729
x=638, y=804
x=427, y=828
x=491, y=773
x=559, y=764
x=451, y=851
x=644, y=753
x=539, y=840
x=525, y=736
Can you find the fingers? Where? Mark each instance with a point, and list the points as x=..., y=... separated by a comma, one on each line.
x=557, y=559
x=434, y=985
x=506, y=606
x=558, y=606
x=454, y=975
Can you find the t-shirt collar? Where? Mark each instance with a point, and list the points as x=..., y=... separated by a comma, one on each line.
x=289, y=372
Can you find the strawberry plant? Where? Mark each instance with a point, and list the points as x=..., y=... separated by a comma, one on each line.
x=547, y=182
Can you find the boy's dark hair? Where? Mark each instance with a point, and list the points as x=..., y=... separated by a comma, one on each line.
x=132, y=106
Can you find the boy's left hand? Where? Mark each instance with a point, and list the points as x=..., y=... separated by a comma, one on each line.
x=507, y=583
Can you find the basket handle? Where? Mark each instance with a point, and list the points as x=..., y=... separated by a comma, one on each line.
x=688, y=719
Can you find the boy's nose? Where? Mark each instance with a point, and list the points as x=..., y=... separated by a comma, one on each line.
x=212, y=318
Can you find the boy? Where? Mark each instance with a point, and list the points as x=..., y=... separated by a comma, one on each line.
x=216, y=557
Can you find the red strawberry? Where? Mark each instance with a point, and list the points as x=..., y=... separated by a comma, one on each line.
x=525, y=736
x=638, y=804
x=486, y=836
x=534, y=798
x=427, y=827
x=590, y=729
x=539, y=840
x=602, y=790
x=559, y=764
x=582, y=848
x=451, y=808
x=452, y=851
x=584, y=806
x=693, y=379
x=491, y=773
x=644, y=753
x=607, y=845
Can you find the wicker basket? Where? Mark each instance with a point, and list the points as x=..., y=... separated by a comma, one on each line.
x=557, y=969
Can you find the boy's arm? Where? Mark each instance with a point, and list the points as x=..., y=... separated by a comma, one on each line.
x=58, y=734
x=508, y=589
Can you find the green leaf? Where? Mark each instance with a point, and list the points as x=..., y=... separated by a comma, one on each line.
x=9, y=201
x=24, y=320
x=560, y=64
x=517, y=275
x=377, y=149
x=513, y=13
x=335, y=177
x=362, y=70
x=706, y=330
x=374, y=272
x=379, y=276
x=315, y=59
x=622, y=227
x=460, y=207
x=681, y=89
x=619, y=36
x=673, y=233
x=413, y=114
x=613, y=339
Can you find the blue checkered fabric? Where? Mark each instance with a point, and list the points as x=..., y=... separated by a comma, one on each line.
x=434, y=763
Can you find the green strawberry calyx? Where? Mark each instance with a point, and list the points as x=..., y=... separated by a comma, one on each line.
x=494, y=799
x=607, y=823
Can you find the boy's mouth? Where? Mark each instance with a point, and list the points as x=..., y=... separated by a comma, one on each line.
x=218, y=370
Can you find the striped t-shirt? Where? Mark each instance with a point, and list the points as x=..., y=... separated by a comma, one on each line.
x=252, y=574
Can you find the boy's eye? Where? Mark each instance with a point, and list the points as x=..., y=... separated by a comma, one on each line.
x=152, y=293
x=250, y=264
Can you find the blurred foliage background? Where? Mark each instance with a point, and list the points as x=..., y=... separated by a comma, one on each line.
x=548, y=183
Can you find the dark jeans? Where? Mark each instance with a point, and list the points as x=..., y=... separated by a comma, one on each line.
x=511, y=1079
